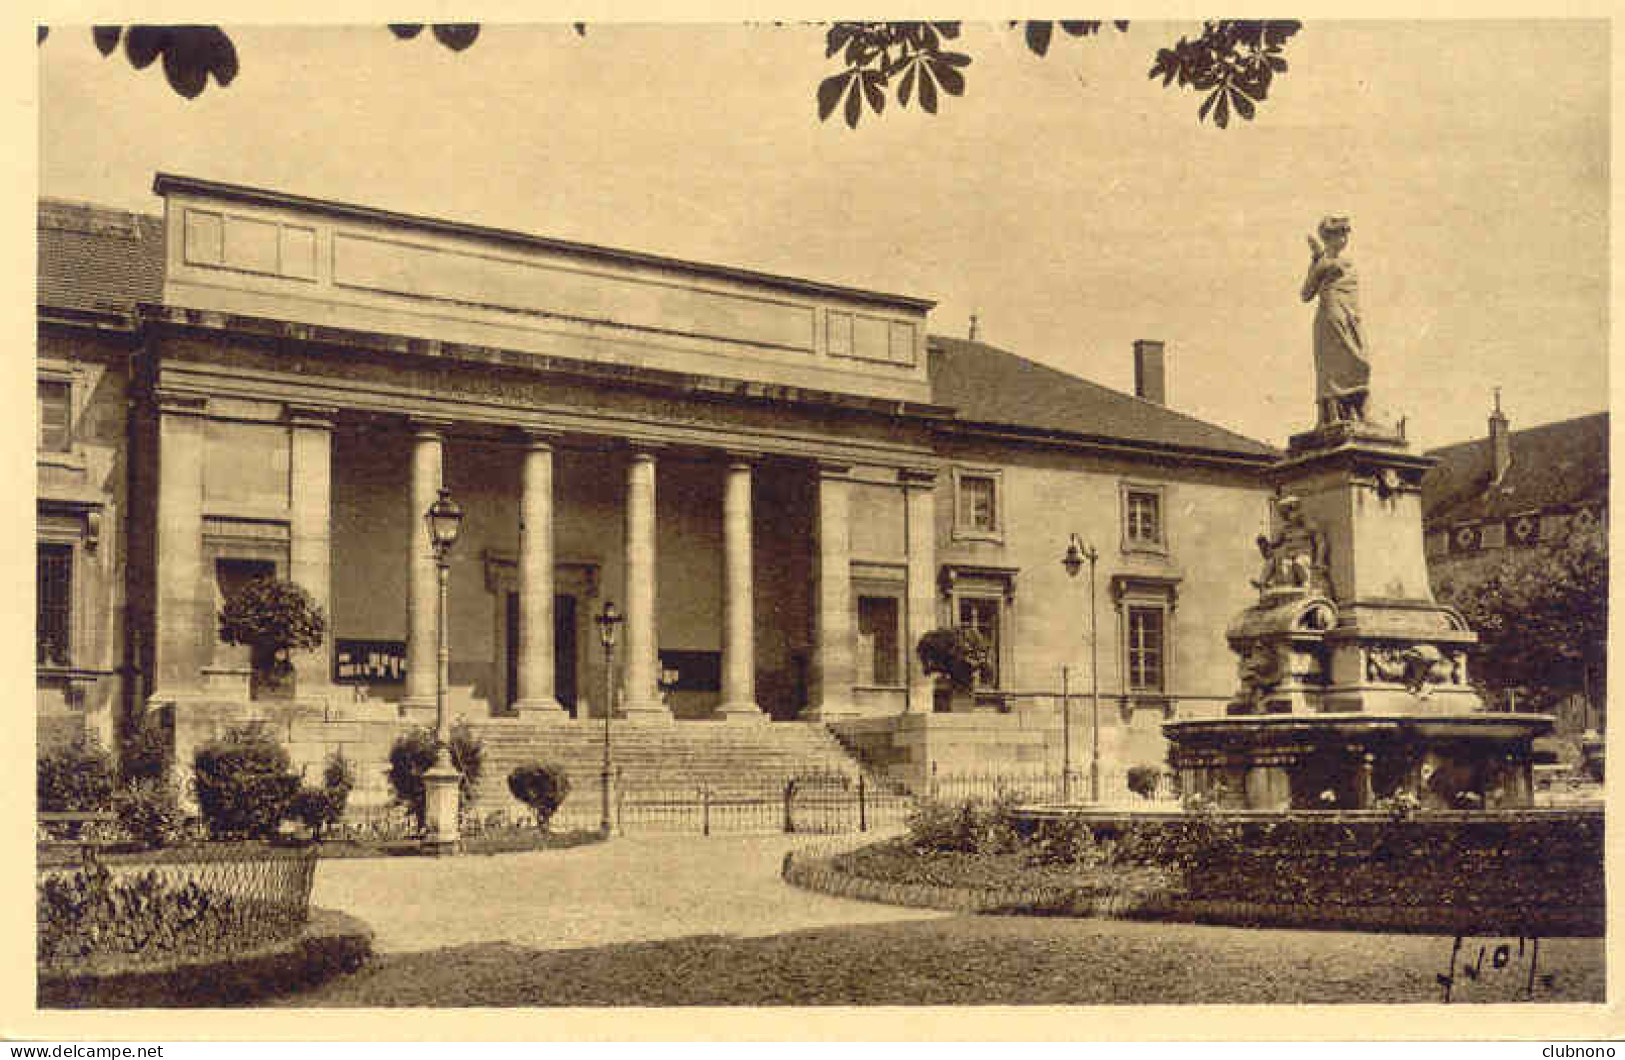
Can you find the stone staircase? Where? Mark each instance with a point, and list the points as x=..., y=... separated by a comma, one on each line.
x=660, y=759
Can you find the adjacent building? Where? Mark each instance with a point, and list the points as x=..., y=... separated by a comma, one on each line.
x=1520, y=491
x=782, y=484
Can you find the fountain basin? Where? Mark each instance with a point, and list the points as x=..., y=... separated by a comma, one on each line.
x=1352, y=760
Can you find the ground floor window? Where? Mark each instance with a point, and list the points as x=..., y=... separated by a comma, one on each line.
x=1146, y=650
x=879, y=641
x=54, y=606
x=981, y=613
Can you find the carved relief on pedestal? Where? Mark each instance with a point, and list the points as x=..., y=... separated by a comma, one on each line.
x=1417, y=666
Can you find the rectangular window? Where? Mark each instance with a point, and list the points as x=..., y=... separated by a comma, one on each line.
x=982, y=614
x=1145, y=649
x=1143, y=517
x=978, y=503
x=55, y=416
x=54, y=601
x=878, y=642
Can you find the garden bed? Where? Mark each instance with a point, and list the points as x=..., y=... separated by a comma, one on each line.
x=1519, y=875
x=330, y=944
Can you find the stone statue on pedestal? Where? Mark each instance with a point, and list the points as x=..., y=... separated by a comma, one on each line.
x=1342, y=372
x=1294, y=555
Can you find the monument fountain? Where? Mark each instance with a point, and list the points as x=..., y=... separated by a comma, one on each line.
x=1353, y=679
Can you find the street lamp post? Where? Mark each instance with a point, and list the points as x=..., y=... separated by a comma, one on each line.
x=1076, y=553
x=609, y=621
x=441, y=782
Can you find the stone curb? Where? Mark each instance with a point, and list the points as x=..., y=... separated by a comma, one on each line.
x=331, y=943
x=815, y=871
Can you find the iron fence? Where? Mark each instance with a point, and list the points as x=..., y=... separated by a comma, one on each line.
x=1047, y=786
x=212, y=899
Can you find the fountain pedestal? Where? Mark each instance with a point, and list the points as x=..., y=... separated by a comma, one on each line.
x=1353, y=678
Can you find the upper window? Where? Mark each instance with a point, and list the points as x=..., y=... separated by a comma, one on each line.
x=55, y=416
x=1144, y=529
x=54, y=605
x=977, y=504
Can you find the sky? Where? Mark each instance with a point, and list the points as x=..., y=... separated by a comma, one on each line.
x=1069, y=202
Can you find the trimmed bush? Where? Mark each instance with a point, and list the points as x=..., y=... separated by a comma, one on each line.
x=413, y=754
x=243, y=784
x=1142, y=780
x=149, y=811
x=75, y=778
x=542, y=786
x=960, y=654
x=321, y=808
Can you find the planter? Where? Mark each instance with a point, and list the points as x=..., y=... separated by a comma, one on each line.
x=273, y=675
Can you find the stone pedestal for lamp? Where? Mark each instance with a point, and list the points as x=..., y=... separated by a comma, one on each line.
x=440, y=802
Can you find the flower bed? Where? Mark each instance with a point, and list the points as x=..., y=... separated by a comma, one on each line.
x=146, y=910
x=1529, y=874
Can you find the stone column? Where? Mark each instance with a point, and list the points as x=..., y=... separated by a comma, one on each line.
x=184, y=631
x=310, y=550
x=536, y=692
x=920, y=515
x=640, y=696
x=833, y=663
x=738, y=602
x=422, y=584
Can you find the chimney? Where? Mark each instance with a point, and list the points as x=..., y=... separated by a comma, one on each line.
x=1500, y=443
x=1148, y=375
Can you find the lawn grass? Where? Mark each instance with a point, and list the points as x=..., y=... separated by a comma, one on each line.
x=967, y=960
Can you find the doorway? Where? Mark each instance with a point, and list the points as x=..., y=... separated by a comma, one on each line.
x=564, y=651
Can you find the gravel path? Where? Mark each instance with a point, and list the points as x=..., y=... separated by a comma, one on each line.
x=627, y=890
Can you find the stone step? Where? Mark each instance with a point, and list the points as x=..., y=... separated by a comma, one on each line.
x=662, y=757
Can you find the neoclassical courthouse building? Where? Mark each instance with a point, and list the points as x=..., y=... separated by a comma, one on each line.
x=782, y=484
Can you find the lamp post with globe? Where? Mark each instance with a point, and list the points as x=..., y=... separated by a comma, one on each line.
x=441, y=782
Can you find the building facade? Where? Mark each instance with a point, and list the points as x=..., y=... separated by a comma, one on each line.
x=781, y=484
x=1520, y=492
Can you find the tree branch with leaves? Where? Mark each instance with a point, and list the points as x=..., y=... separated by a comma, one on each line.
x=1232, y=62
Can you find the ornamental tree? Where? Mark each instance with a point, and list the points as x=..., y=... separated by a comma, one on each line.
x=960, y=654
x=272, y=617
x=1541, y=616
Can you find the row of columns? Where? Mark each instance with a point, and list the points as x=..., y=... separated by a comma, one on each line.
x=184, y=618
x=536, y=564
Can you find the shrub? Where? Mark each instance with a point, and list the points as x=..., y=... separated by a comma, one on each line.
x=321, y=808
x=1142, y=780
x=541, y=786
x=413, y=754
x=1067, y=841
x=974, y=826
x=149, y=811
x=243, y=784
x=75, y=778
x=147, y=751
